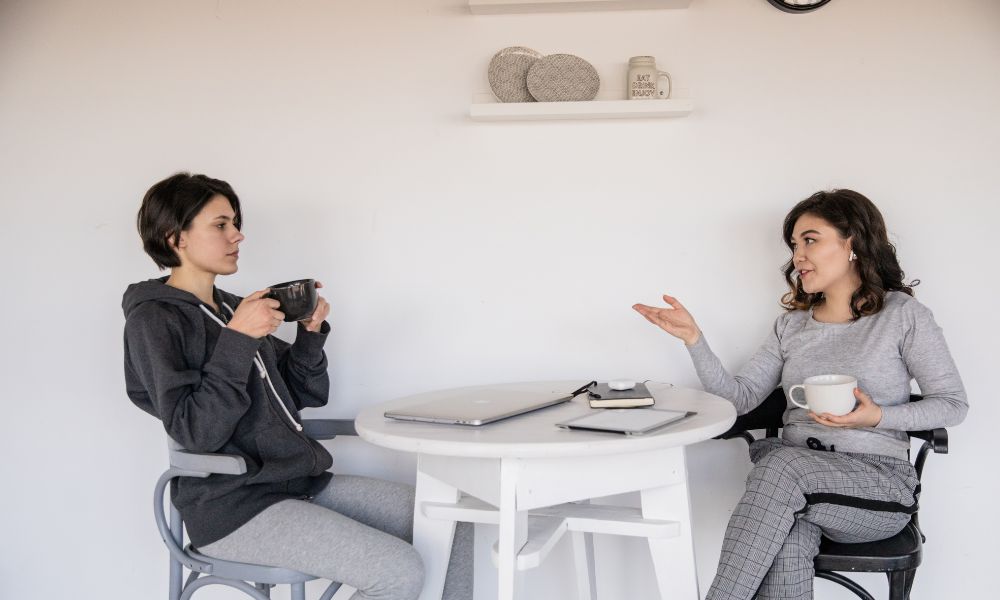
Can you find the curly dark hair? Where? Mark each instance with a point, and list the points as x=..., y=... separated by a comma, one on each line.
x=853, y=216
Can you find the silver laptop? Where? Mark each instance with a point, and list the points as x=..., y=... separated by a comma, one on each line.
x=479, y=407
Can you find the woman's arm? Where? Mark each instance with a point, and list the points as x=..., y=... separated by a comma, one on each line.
x=303, y=366
x=748, y=389
x=200, y=405
x=929, y=362
x=756, y=380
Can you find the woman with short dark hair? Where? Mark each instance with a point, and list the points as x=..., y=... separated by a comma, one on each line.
x=171, y=205
x=204, y=362
x=846, y=477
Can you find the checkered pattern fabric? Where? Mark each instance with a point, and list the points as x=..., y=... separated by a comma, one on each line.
x=774, y=534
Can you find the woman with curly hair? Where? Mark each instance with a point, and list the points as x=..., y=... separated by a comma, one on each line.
x=847, y=477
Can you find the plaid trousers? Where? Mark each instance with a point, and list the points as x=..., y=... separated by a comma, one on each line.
x=794, y=496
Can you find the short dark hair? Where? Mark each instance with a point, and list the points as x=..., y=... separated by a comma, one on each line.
x=853, y=216
x=169, y=207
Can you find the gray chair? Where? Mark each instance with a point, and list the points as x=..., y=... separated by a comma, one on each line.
x=255, y=581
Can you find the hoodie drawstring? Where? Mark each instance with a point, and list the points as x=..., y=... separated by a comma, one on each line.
x=259, y=363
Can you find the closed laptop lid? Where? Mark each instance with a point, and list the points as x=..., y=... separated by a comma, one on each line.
x=478, y=407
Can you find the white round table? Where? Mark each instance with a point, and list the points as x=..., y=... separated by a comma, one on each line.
x=505, y=472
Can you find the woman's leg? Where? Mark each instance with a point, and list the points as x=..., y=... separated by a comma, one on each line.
x=388, y=506
x=310, y=538
x=776, y=496
x=791, y=574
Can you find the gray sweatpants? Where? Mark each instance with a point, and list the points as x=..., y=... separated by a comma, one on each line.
x=356, y=531
x=796, y=495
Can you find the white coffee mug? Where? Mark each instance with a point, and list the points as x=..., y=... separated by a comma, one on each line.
x=833, y=394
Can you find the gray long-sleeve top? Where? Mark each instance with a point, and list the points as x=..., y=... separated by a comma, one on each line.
x=883, y=351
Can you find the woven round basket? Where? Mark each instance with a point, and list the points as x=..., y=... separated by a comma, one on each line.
x=563, y=78
x=509, y=72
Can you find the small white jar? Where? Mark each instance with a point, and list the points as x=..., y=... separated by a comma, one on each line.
x=644, y=81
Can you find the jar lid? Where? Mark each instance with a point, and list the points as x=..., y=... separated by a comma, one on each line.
x=641, y=59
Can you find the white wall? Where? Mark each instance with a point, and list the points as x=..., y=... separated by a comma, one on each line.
x=459, y=253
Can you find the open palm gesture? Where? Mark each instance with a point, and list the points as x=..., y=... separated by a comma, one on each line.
x=675, y=320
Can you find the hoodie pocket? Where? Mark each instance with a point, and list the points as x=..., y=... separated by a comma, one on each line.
x=282, y=456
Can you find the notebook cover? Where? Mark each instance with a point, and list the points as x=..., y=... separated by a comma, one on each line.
x=601, y=391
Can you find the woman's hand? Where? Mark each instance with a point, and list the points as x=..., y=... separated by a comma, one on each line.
x=866, y=414
x=676, y=320
x=315, y=322
x=257, y=316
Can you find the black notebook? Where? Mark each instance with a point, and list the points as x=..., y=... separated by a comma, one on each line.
x=602, y=396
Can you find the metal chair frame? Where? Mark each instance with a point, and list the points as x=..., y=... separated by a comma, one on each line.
x=255, y=581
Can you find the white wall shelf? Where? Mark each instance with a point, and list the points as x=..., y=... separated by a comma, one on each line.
x=593, y=109
x=493, y=7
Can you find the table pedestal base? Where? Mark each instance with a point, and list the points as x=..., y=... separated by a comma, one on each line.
x=535, y=501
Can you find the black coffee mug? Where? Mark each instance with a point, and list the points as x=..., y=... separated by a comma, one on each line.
x=297, y=298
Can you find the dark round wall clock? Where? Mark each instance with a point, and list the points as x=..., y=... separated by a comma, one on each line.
x=797, y=6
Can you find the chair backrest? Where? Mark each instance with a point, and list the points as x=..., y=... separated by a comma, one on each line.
x=768, y=416
x=186, y=464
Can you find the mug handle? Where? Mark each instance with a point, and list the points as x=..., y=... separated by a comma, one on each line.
x=791, y=395
x=660, y=75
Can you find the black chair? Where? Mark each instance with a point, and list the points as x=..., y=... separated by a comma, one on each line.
x=899, y=556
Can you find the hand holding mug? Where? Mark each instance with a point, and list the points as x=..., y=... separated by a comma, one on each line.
x=866, y=414
x=257, y=316
x=315, y=322
x=676, y=320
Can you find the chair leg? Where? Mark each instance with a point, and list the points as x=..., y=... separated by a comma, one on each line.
x=176, y=569
x=910, y=576
x=330, y=591
x=900, y=583
x=264, y=589
x=298, y=591
x=850, y=584
x=897, y=585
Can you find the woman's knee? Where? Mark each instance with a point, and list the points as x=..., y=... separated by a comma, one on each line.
x=780, y=476
x=411, y=574
x=402, y=577
x=764, y=446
